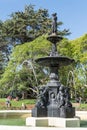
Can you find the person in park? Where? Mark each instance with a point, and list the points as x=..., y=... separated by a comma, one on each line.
x=8, y=103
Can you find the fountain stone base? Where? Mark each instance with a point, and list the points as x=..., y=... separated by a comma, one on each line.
x=52, y=122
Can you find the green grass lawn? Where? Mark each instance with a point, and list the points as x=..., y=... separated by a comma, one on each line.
x=16, y=104
x=80, y=107
x=25, y=101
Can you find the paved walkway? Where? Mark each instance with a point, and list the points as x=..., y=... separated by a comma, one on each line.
x=35, y=128
x=15, y=111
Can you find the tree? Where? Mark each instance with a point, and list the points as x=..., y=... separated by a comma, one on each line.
x=79, y=52
x=19, y=74
x=4, y=50
x=24, y=26
x=76, y=49
x=18, y=69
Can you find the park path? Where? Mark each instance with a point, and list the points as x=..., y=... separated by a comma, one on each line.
x=35, y=128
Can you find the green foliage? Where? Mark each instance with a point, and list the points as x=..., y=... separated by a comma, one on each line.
x=79, y=53
x=21, y=75
x=24, y=26
x=65, y=48
x=76, y=49
x=79, y=49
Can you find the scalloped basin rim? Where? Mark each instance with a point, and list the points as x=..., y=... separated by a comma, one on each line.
x=54, y=61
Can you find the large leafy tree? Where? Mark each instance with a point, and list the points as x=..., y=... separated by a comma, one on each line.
x=24, y=26
x=77, y=49
x=4, y=49
x=79, y=52
x=22, y=73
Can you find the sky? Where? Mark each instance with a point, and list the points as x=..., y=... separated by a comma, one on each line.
x=73, y=13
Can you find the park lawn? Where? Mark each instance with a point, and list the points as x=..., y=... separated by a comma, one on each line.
x=80, y=106
x=83, y=106
x=16, y=104
x=29, y=102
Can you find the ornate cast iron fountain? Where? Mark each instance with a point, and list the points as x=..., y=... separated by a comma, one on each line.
x=54, y=99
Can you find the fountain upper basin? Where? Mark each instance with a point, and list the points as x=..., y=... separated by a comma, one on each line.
x=54, y=61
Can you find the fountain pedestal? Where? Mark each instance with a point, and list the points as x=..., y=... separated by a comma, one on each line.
x=54, y=101
x=53, y=122
x=54, y=111
x=39, y=112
